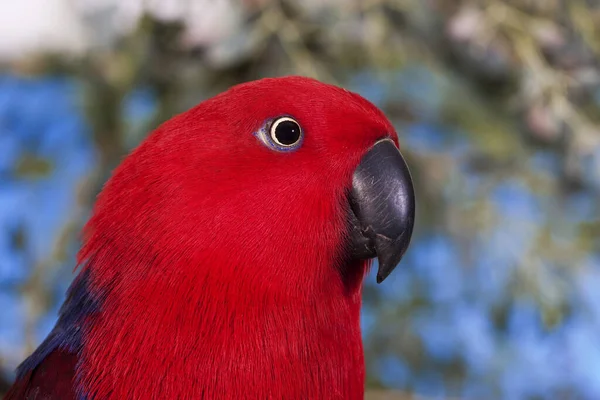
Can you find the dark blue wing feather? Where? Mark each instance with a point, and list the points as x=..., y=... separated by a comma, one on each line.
x=49, y=373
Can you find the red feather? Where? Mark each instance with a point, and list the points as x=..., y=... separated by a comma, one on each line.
x=52, y=379
x=218, y=264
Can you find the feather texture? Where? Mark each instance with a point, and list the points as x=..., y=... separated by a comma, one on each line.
x=214, y=267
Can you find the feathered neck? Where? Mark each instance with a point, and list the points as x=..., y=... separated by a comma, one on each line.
x=204, y=338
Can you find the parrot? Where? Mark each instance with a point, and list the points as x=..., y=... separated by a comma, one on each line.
x=225, y=256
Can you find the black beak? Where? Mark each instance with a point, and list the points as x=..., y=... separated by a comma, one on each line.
x=383, y=207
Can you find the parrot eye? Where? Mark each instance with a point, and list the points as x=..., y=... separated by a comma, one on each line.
x=285, y=132
x=281, y=134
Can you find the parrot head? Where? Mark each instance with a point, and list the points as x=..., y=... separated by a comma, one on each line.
x=237, y=235
x=279, y=179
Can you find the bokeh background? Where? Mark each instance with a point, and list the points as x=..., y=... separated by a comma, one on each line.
x=497, y=107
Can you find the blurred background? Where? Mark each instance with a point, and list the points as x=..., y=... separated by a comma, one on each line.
x=497, y=104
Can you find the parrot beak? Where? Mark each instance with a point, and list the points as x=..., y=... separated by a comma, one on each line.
x=382, y=201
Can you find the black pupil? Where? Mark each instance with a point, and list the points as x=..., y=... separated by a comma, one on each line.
x=287, y=132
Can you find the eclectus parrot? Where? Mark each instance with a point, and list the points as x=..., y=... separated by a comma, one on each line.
x=225, y=257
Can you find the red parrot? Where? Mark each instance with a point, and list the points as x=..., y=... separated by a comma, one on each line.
x=224, y=258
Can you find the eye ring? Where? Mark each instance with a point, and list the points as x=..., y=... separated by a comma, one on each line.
x=285, y=132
